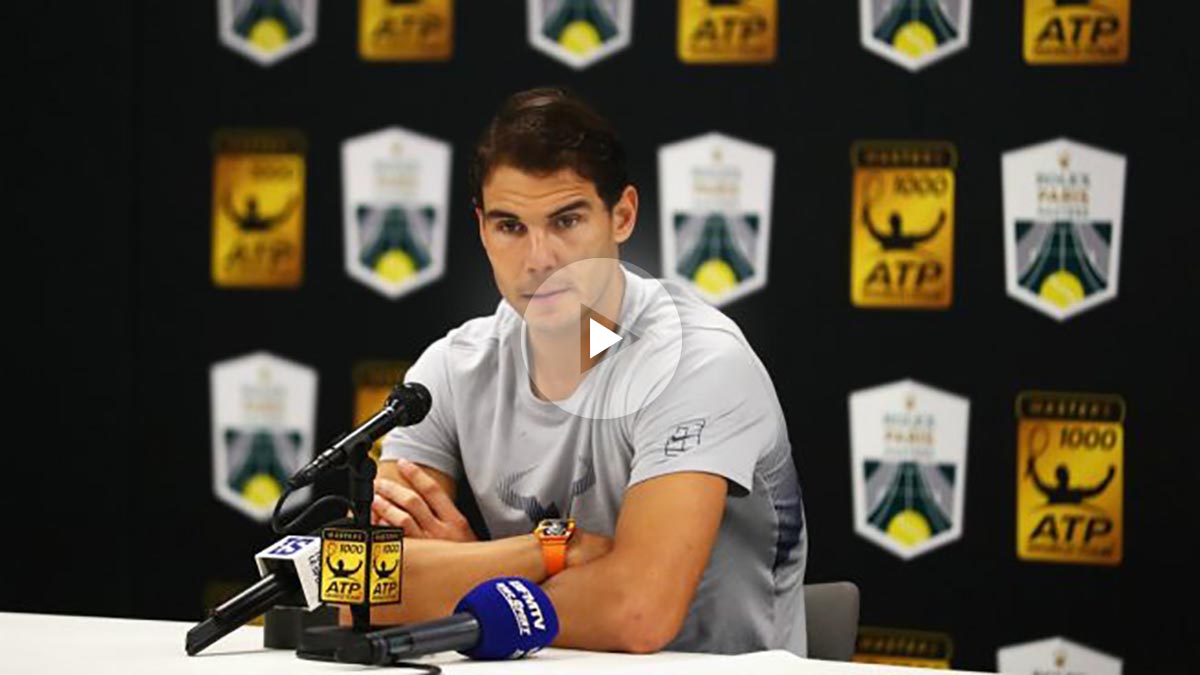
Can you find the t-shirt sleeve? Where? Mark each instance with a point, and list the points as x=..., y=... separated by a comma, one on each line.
x=718, y=415
x=433, y=441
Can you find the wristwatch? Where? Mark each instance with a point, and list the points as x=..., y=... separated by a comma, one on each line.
x=554, y=533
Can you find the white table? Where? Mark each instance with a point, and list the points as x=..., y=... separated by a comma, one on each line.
x=75, y=645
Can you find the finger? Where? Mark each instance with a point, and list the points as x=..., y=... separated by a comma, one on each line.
x=410, y=501
x=390, y=514
x=423, y=483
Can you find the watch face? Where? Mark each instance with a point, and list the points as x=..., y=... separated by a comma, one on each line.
x=554, y=528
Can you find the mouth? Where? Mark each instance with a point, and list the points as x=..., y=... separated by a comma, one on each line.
x=544, y=295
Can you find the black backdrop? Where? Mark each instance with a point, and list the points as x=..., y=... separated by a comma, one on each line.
x=115, y=320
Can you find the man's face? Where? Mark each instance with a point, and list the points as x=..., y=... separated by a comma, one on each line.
x=533, y=225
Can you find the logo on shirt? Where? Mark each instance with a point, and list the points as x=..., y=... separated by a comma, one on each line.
x=908, y=444
x=914, y=33
x=728, y=31
x=258, y=209
x=1070, y=456
x=405, y=30
x=1076, y=32
x=580, y=32
x=684, y=437
x=1062, y=226
x=715, y=215
x=1055, y=656
x=263, y=415
x=514, y=492
x=395, y=197
x=902, y=232
x=267, y=31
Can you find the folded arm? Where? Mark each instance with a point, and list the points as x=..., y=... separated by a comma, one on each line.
x=636, y=598
x=628, y=594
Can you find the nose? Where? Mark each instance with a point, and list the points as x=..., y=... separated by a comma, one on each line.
x=541, y=256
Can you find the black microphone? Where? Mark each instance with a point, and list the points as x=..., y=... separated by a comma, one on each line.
x=504, y=618
x=406, y=405
x=239, y=609
x=291, y=576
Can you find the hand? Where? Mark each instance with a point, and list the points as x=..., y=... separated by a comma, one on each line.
x=583, y=548
x=424, y=510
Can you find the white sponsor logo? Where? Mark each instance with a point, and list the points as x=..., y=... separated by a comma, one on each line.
x=1055, y=656
x=915, y=33
x=263, y=416
x=267, y=31
x=517, y=607
x=396, y=194
x=1063, y=203
x=908, y=466
x=715, y=215
x=580, y=32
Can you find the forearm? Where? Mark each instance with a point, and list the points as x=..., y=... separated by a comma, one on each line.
x=438, y=573
x=606, y=605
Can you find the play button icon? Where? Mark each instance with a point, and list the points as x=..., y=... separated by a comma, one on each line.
x=598, y=334
x=602, y=338
x=599, y=338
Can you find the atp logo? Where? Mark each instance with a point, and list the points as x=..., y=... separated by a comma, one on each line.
x=902, y=224
x=1070, y=455
x=1076, y=32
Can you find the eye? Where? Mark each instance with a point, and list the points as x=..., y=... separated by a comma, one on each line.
x=511, y=226
x=569, y=220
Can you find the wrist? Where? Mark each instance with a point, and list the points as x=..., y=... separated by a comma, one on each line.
x=575, y=550
x=555, y=535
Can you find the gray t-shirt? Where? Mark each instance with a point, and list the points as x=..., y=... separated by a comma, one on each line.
x=526, y=459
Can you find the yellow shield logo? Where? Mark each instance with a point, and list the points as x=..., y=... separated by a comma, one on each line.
x=258, y=209
x=902, y=241
x=1070, y=462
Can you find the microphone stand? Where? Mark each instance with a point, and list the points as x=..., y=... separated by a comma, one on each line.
x=321, y=643
x=362, y=494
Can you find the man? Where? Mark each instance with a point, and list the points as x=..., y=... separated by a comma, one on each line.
x=682, y=509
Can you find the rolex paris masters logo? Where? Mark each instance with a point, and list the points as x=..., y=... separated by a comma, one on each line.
x=715, y=215
x=396, y=192
x=267, y=31
x=1063, y=204
x=914, y=33
x=579, y=32
x=908, y=448
x=263, y=416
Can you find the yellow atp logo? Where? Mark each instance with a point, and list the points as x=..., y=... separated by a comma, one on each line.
x=1070, y=464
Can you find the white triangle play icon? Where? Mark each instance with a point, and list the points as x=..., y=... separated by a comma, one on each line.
x=599, y=338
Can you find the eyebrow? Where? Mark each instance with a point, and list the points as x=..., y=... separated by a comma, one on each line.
x=581, y=204
x=497, y=214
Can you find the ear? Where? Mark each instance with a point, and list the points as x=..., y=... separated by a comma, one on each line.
x=479, y=219
x=624, y=214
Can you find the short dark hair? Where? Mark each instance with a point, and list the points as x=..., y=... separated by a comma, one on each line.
x=544, y=130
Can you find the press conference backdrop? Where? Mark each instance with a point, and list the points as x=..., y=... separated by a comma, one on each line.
x=865, y=261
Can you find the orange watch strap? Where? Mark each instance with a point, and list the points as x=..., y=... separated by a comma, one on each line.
x=554, y=554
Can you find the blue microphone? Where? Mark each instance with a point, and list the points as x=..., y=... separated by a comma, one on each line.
x=504, y=618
